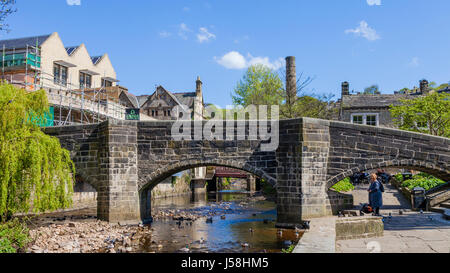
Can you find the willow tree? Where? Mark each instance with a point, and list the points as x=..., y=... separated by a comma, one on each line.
x=36, y=174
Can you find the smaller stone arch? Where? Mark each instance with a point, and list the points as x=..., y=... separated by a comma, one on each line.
x=432, y=169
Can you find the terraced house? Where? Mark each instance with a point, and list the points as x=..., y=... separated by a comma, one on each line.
x=82, y=88
x=373, y=110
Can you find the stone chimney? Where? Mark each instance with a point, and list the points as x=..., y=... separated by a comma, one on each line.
x=345, y=89
x=198, y=90
x=424, y=86
x=291, y=79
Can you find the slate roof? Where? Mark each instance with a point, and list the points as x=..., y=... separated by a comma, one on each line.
x=23, y=42
x=132, y=98
x=142, y=99
x=372, y=101
x=187, y=98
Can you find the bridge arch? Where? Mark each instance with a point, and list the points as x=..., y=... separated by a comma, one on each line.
x=152, y=179
x=412, y=164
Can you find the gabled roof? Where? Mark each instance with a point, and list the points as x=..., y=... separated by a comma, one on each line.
x=132, y=98
x=185, y=99
x=23, y=42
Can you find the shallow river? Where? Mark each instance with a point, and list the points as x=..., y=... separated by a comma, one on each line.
x=238, y=225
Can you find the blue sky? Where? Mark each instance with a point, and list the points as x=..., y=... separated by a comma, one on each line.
x=392, y=43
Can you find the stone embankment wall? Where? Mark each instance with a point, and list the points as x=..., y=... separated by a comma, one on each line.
x=84, y=200
x=168, y=189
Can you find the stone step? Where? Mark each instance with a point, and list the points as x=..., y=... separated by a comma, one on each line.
x=446, y=205
x=437, y=209
x=444, y=211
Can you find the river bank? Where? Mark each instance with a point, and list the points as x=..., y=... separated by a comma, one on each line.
x=225, y=222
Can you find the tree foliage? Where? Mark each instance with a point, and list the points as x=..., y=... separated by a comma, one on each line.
x=372, y=90
x=259, y=86
x=6, y=9
x=262, y=86
x=428, y=114
x=35, y=172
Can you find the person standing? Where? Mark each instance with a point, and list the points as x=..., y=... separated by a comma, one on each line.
x=375, y=190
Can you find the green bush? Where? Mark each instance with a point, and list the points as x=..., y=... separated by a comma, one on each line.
x=289, y=250
x=419, y=181
x=399, y=177
x=13, y=236
x=343, y=186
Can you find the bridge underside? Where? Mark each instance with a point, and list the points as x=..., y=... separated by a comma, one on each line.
x=123, y=161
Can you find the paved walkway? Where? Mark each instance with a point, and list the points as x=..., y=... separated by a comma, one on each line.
x=411, y=232
x=320, y=238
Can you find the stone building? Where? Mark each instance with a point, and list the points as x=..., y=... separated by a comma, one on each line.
x=160, y=104
x=373, y=110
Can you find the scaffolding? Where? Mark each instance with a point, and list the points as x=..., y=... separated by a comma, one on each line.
x=72, y=105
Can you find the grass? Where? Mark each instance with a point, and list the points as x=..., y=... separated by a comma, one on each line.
x=14, y=236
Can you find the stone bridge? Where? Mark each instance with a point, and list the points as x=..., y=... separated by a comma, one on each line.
x=124, y=160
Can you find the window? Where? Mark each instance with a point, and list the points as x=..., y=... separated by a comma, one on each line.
x=60, y=74
x=168, y=113
x=106, y=83
x=371, y=120
x=63, y=75
x=365, y=119
x=85, y=80
x=358, y=119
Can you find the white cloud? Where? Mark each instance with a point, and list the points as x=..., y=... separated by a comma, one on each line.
x=365, y=31
x=183, y=30
x=73, y=2
x=235, y=60
x=374, y=2
x=186, y=9
x=414, y=62
x=232, y=60
x=205, y=35
x=165, y=34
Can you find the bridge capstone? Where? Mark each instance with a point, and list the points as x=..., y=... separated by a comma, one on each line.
x=124, y=160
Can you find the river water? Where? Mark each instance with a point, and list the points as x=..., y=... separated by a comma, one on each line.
x=240, y=224
x=237, y=223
